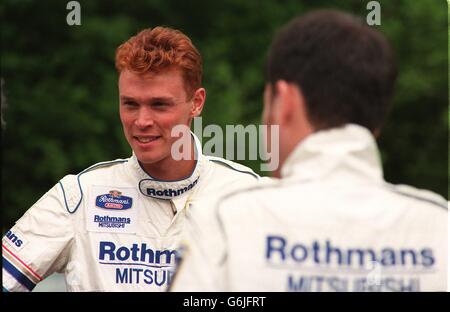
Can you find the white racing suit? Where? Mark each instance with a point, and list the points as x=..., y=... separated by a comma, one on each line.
x=112, y=227
x=330, y=224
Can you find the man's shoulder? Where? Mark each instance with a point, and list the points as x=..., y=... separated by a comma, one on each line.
x=232, y=168
x=424, y=196
x=97, y=169
x=72, y=187
x=252, y=191
x=223, y=176
x=104, y=166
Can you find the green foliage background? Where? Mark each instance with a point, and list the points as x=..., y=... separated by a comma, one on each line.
x=61, y=85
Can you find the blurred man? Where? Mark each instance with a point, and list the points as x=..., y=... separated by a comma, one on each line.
x=331, y=223
x=115, y=226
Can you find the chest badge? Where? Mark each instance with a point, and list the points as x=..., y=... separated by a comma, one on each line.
x=114, y=200
x=112, y=209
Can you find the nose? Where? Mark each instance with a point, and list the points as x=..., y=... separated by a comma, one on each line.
x=144, y=118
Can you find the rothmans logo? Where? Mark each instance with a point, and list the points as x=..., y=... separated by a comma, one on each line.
x=114, y=200
x=169, y=193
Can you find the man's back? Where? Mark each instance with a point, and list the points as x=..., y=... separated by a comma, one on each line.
x=331, y=224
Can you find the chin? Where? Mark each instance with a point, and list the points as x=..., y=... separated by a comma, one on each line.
x=147, y=158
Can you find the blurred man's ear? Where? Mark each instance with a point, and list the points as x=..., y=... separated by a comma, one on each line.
x=291, y=111
x=198, y=101
x=285, y=105
x=267, y=110
x=287, y=102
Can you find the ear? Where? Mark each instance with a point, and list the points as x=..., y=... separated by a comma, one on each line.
x=198, y=101
x=287, y=102
x=267, y=110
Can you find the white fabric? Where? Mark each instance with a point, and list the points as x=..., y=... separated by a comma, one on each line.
x=77, y=227
x=330, y=224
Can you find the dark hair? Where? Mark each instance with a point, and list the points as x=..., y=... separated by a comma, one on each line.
x=344, y=68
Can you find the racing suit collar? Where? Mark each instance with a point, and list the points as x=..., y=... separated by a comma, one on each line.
x=168, y=189
x=350, y=149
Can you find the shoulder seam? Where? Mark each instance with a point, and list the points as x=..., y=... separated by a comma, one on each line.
x=256, y=176
x=430, y=201
x=258, y=187
x=228, y=196
x=100, y=164
x=395, y=189
x=104, y=164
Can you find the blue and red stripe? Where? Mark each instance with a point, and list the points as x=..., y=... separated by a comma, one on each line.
x=18, y=275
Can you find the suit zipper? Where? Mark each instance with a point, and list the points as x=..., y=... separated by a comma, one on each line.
x=174, y=208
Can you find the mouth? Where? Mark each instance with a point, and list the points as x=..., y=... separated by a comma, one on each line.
x=145, y=139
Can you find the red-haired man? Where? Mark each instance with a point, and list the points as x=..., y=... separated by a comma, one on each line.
x=116, y=225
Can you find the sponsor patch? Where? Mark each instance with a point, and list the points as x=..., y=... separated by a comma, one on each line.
x=114, y=200
x=15, y=239
x=138, y=264
x=169, y=193
x=112, y=210
x=111, y=222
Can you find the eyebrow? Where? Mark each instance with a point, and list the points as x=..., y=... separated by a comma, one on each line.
x=153, y=99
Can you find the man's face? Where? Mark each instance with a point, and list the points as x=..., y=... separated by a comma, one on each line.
x=150, y=106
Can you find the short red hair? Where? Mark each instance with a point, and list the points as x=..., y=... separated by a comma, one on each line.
x=153, y=50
